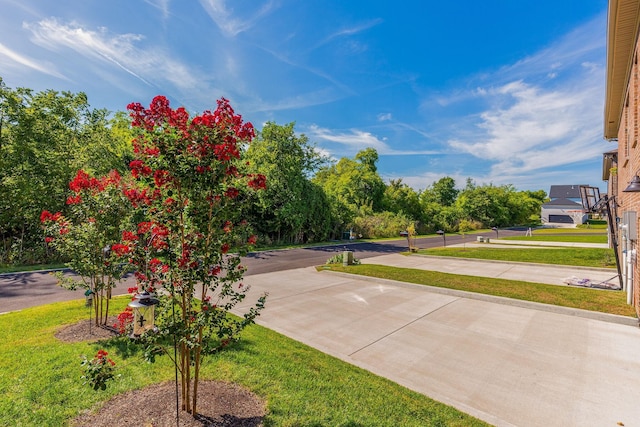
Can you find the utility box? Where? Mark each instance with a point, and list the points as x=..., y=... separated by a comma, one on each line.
x=630, y=219
x=347, y=258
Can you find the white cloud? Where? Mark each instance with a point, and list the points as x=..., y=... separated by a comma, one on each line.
x=161, y=5
x=348, y=31
x=356, y=140
x=120, y=50
x=383, y=117
x=542, y=112
x=230, y=23
x=16, y=58
x=539, y=128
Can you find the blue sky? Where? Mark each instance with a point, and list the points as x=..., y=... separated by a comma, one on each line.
x=500, y=91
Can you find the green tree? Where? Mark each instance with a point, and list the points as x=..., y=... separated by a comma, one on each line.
x=400, y=198
x=443, y=192
x=45, y=137
x=353, y=185
x=291, y=209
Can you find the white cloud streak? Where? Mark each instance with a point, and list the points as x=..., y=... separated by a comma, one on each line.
x=356, y=140
x=122, y=51
x=229, y=23
x=15, y=57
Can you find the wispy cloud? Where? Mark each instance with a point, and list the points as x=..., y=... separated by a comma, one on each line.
x=347, y=31
x=542, y=112
x=161, y=5
x=16, y=58
x=229, y=22
x=355, y=140
x=119, y=50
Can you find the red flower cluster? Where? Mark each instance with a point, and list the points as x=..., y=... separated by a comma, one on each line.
x=48, y=216
x=101, y=357
x=125, y=318
x=120, y=250
x=258, y=182
x=138, y=168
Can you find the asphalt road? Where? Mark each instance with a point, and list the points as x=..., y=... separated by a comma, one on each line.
x=22, y=290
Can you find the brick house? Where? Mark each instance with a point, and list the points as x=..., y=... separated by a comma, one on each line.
x=621, y=126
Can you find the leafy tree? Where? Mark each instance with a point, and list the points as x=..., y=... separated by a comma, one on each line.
x=45, y=137
x=291, y=209
x=186, y=200
x=400, y=198
x=497, y=205
x=88, y=237
x=353, y=184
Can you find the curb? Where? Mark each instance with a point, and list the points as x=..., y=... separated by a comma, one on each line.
x=567, y=311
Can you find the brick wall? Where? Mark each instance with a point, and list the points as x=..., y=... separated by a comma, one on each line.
x=629, y=161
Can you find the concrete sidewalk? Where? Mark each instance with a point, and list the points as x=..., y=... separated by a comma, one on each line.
x=505, y=364
x=527, y=272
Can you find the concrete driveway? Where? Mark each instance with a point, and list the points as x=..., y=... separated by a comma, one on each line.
x=508, y=365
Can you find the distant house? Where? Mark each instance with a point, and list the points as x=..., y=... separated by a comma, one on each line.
x=565, y=206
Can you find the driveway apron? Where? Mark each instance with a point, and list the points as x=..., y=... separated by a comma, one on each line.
x=507, y=365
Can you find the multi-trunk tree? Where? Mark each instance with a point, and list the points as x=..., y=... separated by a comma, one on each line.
x=188, y=234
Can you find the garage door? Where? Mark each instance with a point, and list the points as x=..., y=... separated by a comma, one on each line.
x=563, y=219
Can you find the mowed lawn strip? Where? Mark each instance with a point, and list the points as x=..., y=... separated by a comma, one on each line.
x=605, y=301
x=583, y=257
x=575, y=238
x=41, y=384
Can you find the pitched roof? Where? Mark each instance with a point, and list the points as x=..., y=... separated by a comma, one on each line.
x=564, y=191
x=563, y=202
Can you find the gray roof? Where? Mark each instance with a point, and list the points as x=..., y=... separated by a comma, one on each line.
x=562, y=202
x=564, y=191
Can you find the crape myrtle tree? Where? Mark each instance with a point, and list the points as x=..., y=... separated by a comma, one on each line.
x=188, y=235
x=85, y=236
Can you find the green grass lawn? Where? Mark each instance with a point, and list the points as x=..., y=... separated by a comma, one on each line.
x=613, y=302
x=577, y=238
x=584, y=257
x=40, y=383
x=16, y=268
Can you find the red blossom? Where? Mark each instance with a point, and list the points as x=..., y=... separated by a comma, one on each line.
x=48, y=239
x=120, y=250
x=258, y=182
x=132, y=290
x=74, y=200
x=64, y=231
x=83, y=181
x=231, y=192
x=161, y=177
x=48, y=216
x=252, y=239
x=128, y=236
x=224, y=248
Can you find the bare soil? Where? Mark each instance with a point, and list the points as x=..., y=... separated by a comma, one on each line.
x=219, y=404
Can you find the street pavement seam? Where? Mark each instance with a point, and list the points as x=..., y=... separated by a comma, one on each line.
x=576, y=312
x=417, y=319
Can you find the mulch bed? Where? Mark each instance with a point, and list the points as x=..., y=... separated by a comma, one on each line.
x=219, y=404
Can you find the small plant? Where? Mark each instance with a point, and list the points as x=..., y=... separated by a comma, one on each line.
x=338, y=258
x=98, y=370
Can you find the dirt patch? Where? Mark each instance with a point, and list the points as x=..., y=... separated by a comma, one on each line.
x=86, y=330
x=219, y=405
